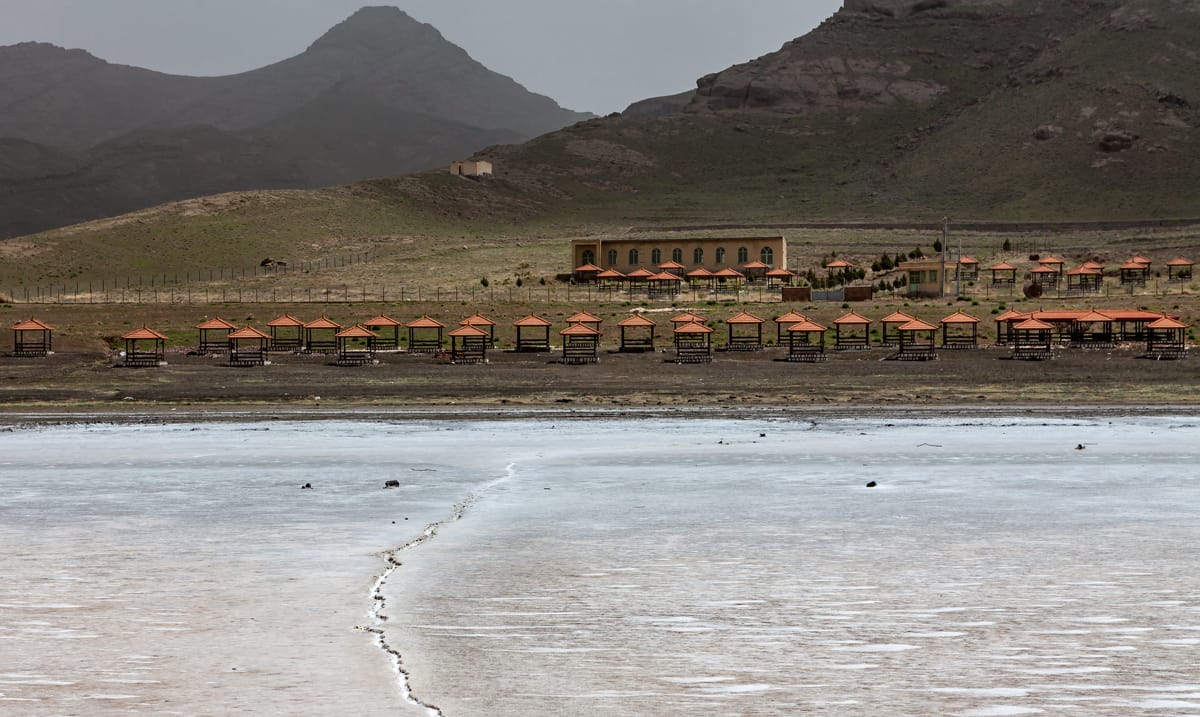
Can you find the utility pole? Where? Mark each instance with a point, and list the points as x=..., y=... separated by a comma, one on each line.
x=945, y=239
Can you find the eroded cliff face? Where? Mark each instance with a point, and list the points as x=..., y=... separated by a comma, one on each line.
x=904, y=8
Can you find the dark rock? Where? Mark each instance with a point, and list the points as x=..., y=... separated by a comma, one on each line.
x=1117, y=141
x=871, y=484
x=392, y=484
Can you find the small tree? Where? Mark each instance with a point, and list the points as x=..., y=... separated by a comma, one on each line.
x=1006, y=246
x=937, y=246
x=885, y=263
x=484, y=282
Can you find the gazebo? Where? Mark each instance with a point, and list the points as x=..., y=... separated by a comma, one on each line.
x=468, y=344
x=702, y=277
x=852, y=332
x=916, y=341
x=539, y=327
x=693, y=343
x=1044, y=275
x=779, y=277
x=356, y=346
x=837, y=265
x=785, y=322
x=1166, y=339
x=960, y=331
x=1134, y=273
x=1005, y=323
x=610, y=278
x=1179, y=269
x=216, y=325
x=664, y=283
x=745, y=332
x=248, y=347
x=672, y=267
x=320, y=336
x=968, y=268
x=425, y=335
x=637, y=279
x=384, y=342
x=729, y=281
x=32, y=338
x=583, y=317
x=1058, y=265
x=1139, y=259
x=642, y=338
x=1032, y=340
x=586, y=273
x=581, y=344
x=755, y=270
x=890, y=323
x=1003, y=274
x=287, y=333
x=482, y=323
x=137, y=355
x=1086, y=335
x=1084, y=281
x=687, y=317
x=806, y=342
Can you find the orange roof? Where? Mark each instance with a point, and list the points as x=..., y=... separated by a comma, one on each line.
x=285, y=320
x=839, y=264
x=755, y=265
x=1132, y=265
x=959, y=317
x=1140, y=259
x=728, y=273
x=1083, y=271
x=917, y=325
x=639, y=274
x=1011, y=315
x=1180, y=261
x=610, y=274
x=700, y=273
x=587, y=267
x=1003, y=266
x=584, y=317
x=671, y=265
x=636, y=320
x=31, y=325
x=144, y=333
x=1091, y=265
x=1057, y=315
x=898, y=317
x=1130, y=314
x=807, y=327
x=323, y=323
x=1092, y=317
x=1166, y=323
x=216, y=323
x=744, y=318
x=1043, y=269
x=663, y=276
x=780, y=273
x=382, y=320
x=425, y=322
x=579, y=330
x=693, y=328
x=249, y=333
x=791, y=317
x=1051, y=260
x=1033, y=325
x=688, y=317
x=852, y=317
x=968, y=260
x=477, y=320
x=468, y=331
x=355, y=332
x=531, y=320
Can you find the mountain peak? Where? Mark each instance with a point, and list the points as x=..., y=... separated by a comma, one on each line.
x=378, y=26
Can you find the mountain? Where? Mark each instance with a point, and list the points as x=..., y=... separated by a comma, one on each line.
x=379, y=94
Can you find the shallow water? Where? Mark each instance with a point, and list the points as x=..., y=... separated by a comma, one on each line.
x=607, y=567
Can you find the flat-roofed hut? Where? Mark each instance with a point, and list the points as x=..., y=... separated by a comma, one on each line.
x=917, y=341
x=586, y=273
x=664, y=283
x=779, y=277
x=852, y=332
x=355, y=346
x=425, y=335
x=144, y=348
x=755, y=270
x=960, y=330
x=583, y=317
x=213, y=333
x=320, y=336
x=1134, y=273
x=745, y=332
x=786, y=321
x=672, y=267
x=1166, y=338
x=533, y=334
x=32, y=339
x=701, y=277
x=387, y=332
x=968, y=268
x=1046, y=276
x=469, y=344
x=1061, y=319
x=1093, y=330
x=1084, y=281
x=1032, y=340
x=1179, y=269
x=729, y=281
x=693, y=343
x=1005, y=323
x=287, y=333
x=637, y=334
x=581, y=344
x=482, y=323
x=248, y=347
x=610, y=278
x=1003, y=274
x=890, y=337
x=806, y=342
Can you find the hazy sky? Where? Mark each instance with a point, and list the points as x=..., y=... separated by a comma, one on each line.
x=595, y=55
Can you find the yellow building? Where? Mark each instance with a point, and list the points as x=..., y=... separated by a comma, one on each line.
x=625, y=255
x=926, y=277
x=471, y=168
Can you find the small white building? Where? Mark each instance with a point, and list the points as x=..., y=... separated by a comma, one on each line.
x=471, y=168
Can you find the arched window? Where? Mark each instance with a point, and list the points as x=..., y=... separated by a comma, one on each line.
x=589, y=256
x=612, y=258
x=656, y=256
x=698, y=256
x=767, y=256
x=743, y=255
x=677, y=255
x=720, y=255
x=633, y=257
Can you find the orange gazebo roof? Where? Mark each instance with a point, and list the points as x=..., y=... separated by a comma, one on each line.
x=779, y=273
x=356, y=331
x=917, y=325
x=144, y=333
x=688, y=317
x=755, y=265
x=744, y=318
x=1180, y=261
x=693, y=328
x=639, y=273
x=610, y=274
x=31, y=325
x=897, y=317
x=215, y=323
x=839, y=264
x=584, y=317
x=531, y=320
x=249, y=333
x=579, y=330
x=728, y=273
x=425, y=322
x=791, y=317
x=586, y=268
x=960, y=317
x=285, y=320
x=323, y=323
x=852, y=317
x=1033, y=325
x=477, y=320
x=807, y=326
x=468, y=331
x=636, y=320
x=1003, y=266
x=1140, y=259
x=382, y=320
x=700, y=273
x=1166, y=323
